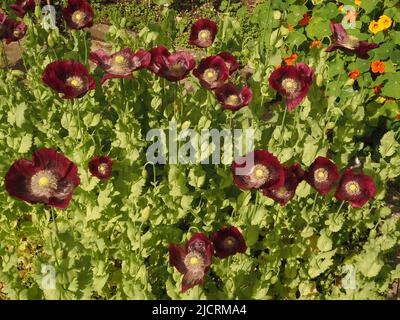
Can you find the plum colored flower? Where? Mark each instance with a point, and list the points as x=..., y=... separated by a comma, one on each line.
x=193, y=261
x=349, y=43
x=4, y=21
x=293, y=176
x=322, y=175
x=212, y=72
x=232, y=98
x=23, y=6
x=203, y=33
x=356, y=188
x=292, y=82
x=227, y=242
x=120, y=64
x=100, y=167
x=15, y=30
x=171, y=66
x=78, y=14
x=50, y=178
x=230, y=61
x=378, y=66
x=68, y=77
x=264, y=172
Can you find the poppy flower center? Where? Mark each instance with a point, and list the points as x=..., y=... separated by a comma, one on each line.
x=352, y=188
x=259, y=175
x=119, y=59
x=43, y=183
x=75, y=82
x=78, y=16
x=102, y=168
x=232, y=100
x=290, y=85
x=229, y=242
x=177, y=68
x=321, y=175
x=16, y=33
x=193, y=260
x=204, y=35
x=210, y=75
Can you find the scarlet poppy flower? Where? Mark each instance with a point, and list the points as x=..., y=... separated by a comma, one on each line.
x=377, y=66
x=203, y=33
x=232, y=98
x=322, y=175
x=68, y=77
x=15, y=30
x=349, y=43
x=100, y=167
x=264, y=172
x=293, y=176
x=227, y=242
x=354, y=74
x=230, y=61
x=78, y=14
x=50, y=178
x=356, y=188
x=292, y=82
x=120, y=64
x=212, y=72
x=172, y=66
x=193, y=261
x=23, y=6
x=305, y=20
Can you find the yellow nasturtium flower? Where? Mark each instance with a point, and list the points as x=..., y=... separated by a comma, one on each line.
x=375, y=27
x=357, y=2
x=384, y=22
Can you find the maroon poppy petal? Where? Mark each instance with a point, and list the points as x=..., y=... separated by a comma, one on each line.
x=322, y=175
x=230, y=61
x=17, y=178
x=99, y=57
x=177, y=258
x=192, y=278
x=247, y=95
x=363, y=47
x=206, y=27
x=228, y=241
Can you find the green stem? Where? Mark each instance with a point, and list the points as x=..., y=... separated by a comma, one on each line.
x=340, y=207
x=315, y=200
x=86, y=48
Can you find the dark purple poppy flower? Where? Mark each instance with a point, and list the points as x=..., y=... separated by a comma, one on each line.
x=293, y=176
x=15, y=31
x=231, y=98
x=230, y=61
x=194, y=261
x=356, y=188
x=68, y=77
x=203, y=33
x=292, y=82
x=49, y=179
x=264, y=172
x=23, y=6
x=100, y=167
x=172, y=66
x=212, y=72
x=120, y=64
x=227, y=242
x=349, y=43
x=322, y=175
x=78, y=14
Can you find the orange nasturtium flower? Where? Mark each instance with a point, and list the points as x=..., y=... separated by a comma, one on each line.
x=277, y=67
x=354, y=74
x=357, y=2
x=289, y=60
x=377, y=66
x=290, y=27
x=375, y=27
x=384, y=22
x=316, y=43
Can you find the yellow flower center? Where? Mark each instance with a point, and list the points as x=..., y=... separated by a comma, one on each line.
x=194, y=260
x=43, y=181
x=260, y=173
x=210, y=74
x=78, y=16
x=204, y=35
x=290, y=85
x=352, y=188
x=102, y=168
x=321, y=175
x=232, y=100
x=119, y=59
x=75, y=82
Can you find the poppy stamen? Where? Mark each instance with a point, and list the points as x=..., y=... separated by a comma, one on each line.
x=78, y=16
x=352, y=188
x=194, y=260
x=290, y=85
x=43, y=183
x=321, y=175
x=233, y=100
x=204, y=35
x=210, y=75
x=75, y=82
